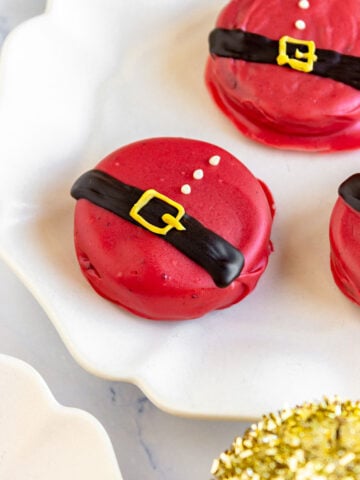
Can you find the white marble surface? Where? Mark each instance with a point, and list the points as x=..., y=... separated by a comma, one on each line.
x=149, y=443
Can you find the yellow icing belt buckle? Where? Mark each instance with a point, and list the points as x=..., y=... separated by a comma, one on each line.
x=303, y=61
x=169, y=220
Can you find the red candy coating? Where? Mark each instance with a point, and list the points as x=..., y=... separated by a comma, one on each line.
x=145, y=274
x=280, y=106
x=345, y=249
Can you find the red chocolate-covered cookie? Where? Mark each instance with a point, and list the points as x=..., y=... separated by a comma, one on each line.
x=172, y=228
x=287, y=72
x=345, y=238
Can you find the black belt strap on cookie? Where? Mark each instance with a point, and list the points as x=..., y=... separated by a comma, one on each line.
x=350, y=191
x=252, y=47
x=213, y=253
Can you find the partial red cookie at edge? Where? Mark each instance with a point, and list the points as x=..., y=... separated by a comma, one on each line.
x=345, y=239
x=142, y=272
x=280, y=106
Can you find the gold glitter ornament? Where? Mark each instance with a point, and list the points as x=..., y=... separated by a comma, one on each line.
x=313, y=441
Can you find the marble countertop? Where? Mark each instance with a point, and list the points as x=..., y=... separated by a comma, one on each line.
x=148, y=443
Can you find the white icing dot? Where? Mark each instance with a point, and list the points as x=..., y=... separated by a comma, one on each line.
x=304, y=4
x=300, y=24
x=186, y=189
x=198, y=174
x=214, y=160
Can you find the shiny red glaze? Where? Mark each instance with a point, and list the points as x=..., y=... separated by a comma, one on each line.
x=280, y=106
x=345, y=249
x=145, y=274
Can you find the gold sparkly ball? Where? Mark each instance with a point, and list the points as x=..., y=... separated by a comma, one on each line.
x=313, y=441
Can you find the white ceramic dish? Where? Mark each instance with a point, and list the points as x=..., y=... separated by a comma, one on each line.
x=90, y=76
x=41, y=439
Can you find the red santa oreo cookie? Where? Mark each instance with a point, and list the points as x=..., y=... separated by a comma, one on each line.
x=287, y=72
x=171, y=228
x=345, y=238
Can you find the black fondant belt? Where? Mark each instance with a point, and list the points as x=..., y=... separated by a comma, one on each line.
x=350, y=191
x=161, y=215
x=297, y=54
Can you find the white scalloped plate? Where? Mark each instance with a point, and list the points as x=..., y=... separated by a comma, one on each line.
x=92, y=75
x=40, y=439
